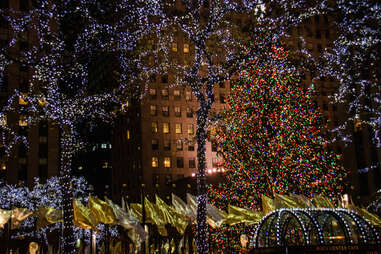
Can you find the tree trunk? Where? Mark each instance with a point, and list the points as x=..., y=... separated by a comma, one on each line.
x=202, y=227
x=68, y=241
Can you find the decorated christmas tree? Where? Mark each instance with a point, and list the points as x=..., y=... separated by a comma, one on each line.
x=272, y=139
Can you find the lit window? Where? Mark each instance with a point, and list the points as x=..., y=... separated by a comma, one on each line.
x=177, y=94
x=174, y=46
x=22, y=99
x=188, y=95
x=152, y=93
x=177, y=111
x=23, y=121
x=165, y=110
x=179, y=145
x=214, y=146
x=154, y=127
x=186, y=48
x=164, y=94
x=155, y=162
x=165, y=127
x=104, y=146
x=105, y=165
x=3, y=120
x=153, y=110
x=128, y=134
x=167, y=162
x=178, y=128
x=190, y=129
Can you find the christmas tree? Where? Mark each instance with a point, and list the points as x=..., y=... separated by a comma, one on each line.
x=272, y=139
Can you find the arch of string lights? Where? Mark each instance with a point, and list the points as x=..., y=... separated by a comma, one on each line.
x=313, y=227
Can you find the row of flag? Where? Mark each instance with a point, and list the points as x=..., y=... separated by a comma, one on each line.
x=179, y=214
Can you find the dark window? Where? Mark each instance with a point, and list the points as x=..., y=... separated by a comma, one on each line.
x=152, y=78
x=327, y=34
x=23, y=151
x=214, y=147
x=317, y=19
x=43, y=172
x=192, y=163
x=24, y=68
x=22, y=174
x=165, y=110
x=319, y=48
x=24, y=5
x=43, y=128
x=155, y=144
x=189, y=112
x=222, y=98
x=24, y=46
x=180, y=162
x=178, y=111
x=43, y=150
x=167, y=145
x=191, y=147
x=179, y=145
x=155, y=179
x=177, y=94
x=4, y=4
x=221, y=84
x=168, y=179
x=4, y=83
x=363, y=179
x=318, y=34
x=164, y=79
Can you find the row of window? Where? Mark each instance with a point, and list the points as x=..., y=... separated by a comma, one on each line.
x=177, y=94
x=178, y=128
x=165, y=111
x=168, y=164
x=179, y=145
x=168, y=178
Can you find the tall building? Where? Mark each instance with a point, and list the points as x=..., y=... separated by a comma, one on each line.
x=161, y=135
x=360, y=157
x=41, y=157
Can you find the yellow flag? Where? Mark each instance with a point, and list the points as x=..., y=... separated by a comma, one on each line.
x=238, y=215
x=373, y=218
x=116, y=248
x=171, y=216
x=215, y=217
x=83, y=218
x=181, y=207
x=321, y=202
x=284, y=201
x=126, y=220
x=48, y=215
x=18, y=216
x=267, y=205
x=5, y=215
x=102, y=211
x=155, y=216
x=301, y=200
x=192, y=203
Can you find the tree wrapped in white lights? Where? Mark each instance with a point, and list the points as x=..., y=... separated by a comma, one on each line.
x=218, y=50
x=354, y=60
x=67, y=39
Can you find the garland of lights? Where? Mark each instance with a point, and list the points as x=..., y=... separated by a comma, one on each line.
x=346, y=219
